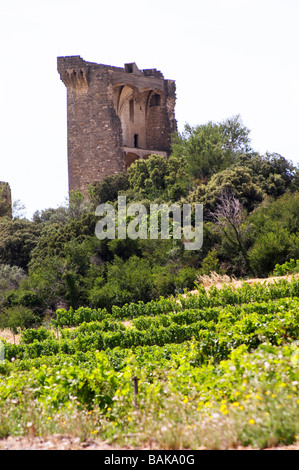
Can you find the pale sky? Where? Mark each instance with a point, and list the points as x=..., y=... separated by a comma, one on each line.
x=227, y=57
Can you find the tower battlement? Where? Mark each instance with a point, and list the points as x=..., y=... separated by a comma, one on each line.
x=115, y=115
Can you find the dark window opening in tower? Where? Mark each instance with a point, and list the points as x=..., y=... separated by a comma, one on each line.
x=136, y=140
x=155, y=100
x=129, y=68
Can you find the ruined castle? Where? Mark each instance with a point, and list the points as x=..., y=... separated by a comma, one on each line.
x=115, y=115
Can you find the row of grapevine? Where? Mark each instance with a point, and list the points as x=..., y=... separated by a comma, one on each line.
x=219, y=330
x=198, y=359
x=227, y=295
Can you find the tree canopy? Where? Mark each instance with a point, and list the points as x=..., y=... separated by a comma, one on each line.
x=250, y=224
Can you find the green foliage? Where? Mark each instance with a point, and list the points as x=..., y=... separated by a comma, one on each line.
x=156, y=178
x=276, y=228
x=25, y=298
x=210, y=264
x=126, y=282
x=270, y=249
x=10, y=278
x=17, y=240
x=31, y=334
x=236, y=180
x=221, y=321
x=54, y=238
x=163, y=281
x=212, y=363
x=272, y=172
x=212, y=147
x=17, y=318
x=226, y=357
x=5, y=201
x=65, y=265
x=289, y=267
x=108, y=189
x=185, y=278
x=73, y=317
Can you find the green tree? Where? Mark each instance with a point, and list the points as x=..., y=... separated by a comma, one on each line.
x=158, y=178
x=17, y=318
x=237, y=180
x=211, y=147
x=17, y=240
x=275, y=233
x=185, y=278
x=10, y=277
x=108, y=189
x=272, y=172
x=54, y=237
x=126, y=281
x=5, y=201
x=210, y=264
x=272, y=248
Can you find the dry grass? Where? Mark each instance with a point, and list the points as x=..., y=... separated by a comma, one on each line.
x=215, y=279
x=219, y=280
x=9, y=337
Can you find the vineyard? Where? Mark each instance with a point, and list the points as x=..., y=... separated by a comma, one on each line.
x=216, y=369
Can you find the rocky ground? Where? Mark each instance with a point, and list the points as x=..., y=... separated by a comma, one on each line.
x=61, y=442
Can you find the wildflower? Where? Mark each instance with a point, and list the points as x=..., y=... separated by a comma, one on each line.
x=49, y=418
x=185, y=400
x=283, y=384
x=208, y=404
x=251, y=421
x=223, y=409
x=236, y=403
x=109, y=409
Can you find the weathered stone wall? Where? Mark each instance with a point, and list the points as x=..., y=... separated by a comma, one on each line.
x=114, y=114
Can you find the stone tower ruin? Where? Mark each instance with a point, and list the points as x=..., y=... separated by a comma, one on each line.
x=115, y=115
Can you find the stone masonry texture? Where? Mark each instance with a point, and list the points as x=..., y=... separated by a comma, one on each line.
x=114, y=116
